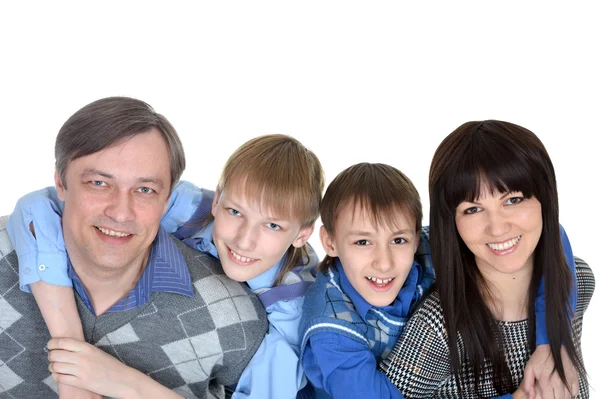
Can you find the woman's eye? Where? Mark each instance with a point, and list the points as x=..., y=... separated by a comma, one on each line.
x=514, y=200
x=472, y=210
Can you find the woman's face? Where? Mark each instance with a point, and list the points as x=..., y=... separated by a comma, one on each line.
x=501, y=230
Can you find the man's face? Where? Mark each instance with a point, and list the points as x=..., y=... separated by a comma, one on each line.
x=114, y=200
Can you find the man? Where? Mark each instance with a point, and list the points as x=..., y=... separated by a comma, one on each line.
x=166, y=318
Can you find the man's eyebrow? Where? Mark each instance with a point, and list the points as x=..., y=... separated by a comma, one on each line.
x=141, y=180
x=92, y=171
x=152, y=180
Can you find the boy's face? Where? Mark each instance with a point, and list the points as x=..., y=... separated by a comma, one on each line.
x=376, y=259
x=249, y=241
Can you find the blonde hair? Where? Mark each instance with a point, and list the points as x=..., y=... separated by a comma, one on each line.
x=379, y=189
x=284, y=178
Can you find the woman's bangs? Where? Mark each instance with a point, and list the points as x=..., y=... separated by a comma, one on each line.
x=478, y=177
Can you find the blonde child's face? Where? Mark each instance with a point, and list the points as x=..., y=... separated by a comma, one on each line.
x=248, y=240
x=376, y=259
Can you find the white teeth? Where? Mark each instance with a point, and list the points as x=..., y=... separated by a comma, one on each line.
x=379, y=281
x=112, y=232
x=241, y=258
x=505, y=245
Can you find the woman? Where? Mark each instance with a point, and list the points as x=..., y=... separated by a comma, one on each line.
x=494, y=233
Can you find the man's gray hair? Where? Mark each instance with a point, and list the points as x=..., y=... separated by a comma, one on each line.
x=108, y=121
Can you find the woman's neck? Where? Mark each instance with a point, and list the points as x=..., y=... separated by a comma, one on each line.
x=507, y=295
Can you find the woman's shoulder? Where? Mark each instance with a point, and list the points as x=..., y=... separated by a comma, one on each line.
x=586, y=284
x=429, y=311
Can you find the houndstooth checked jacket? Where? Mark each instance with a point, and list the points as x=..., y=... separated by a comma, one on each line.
x=419, y=364
x=192, y=346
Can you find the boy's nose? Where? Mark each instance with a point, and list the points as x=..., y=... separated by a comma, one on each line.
x=245, y=239
x=383, y=260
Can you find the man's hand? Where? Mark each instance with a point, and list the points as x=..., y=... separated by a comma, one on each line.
x=84, y=366
x=71, y=392
x=540, y=379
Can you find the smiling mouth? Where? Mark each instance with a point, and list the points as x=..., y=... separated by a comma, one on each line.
x=112, y=233
x=380, y=282
x=240, y=257
x=505, y=245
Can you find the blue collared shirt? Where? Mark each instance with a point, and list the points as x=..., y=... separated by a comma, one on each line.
x=166, y=271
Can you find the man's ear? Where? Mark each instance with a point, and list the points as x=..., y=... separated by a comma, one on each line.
x=327, y=242
x=215, y=202
x=303, y=236
x=60, y=187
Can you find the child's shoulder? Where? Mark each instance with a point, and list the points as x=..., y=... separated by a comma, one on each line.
x=326, y=298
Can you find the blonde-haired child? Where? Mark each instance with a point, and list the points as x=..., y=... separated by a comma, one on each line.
x=257, y=222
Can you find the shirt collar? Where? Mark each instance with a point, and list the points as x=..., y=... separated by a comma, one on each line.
x=203, y=242
x=267, y=278
x=401, y=305
x=165, y=271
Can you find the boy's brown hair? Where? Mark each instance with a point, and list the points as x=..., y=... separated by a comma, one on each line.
x=381, y=190
x=284, y=178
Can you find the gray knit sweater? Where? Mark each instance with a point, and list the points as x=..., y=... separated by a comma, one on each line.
x=192, y=346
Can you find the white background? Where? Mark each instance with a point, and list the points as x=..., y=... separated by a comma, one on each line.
x=354, y=81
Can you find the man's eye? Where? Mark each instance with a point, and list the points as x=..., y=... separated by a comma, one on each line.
x=146, y=190
x=98, y=183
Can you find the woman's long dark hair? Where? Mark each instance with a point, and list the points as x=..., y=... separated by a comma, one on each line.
x=507, y=157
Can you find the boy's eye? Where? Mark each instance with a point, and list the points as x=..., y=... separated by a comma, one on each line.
x=274, y=226
x=233, y=212
x=513, y=200
x=472, y=210
x=362, y=242
x=146, y=190
x=399, y=240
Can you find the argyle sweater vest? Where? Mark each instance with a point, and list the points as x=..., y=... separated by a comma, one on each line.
x=194, y=346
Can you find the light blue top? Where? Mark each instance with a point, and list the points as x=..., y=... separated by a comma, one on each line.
x=274, y=371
